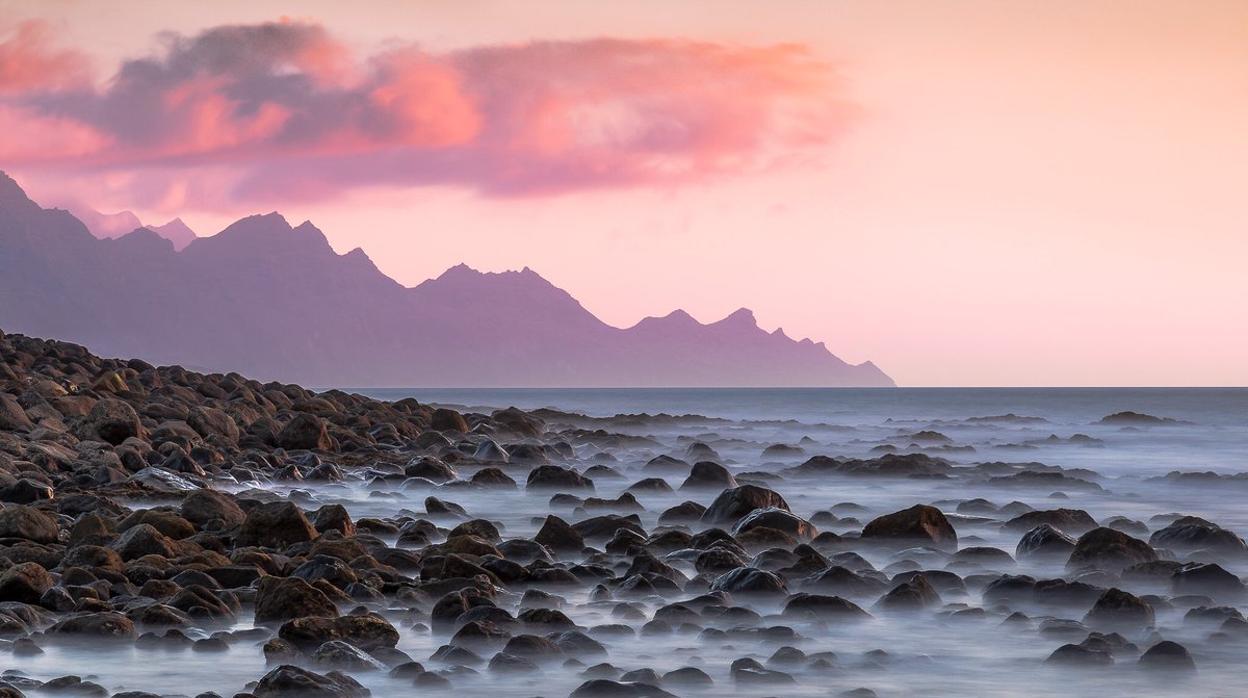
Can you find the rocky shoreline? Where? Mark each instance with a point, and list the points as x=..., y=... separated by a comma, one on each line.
x=163, y=509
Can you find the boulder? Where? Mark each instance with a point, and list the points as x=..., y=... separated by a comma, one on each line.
x=1169, y=657
x=1191, y=533
x=201, y=507
x=276, y=525
x=287, y=598
x=111, y=421
x=25, y=582
x=367, y=631
x=733, y=504
x=708, y=475
x=546, y=477
x=27, y=523
x=777, y=519
x=288, y=681
x=305, y=432
x=1044, y=541
x=1118, y=610
x=1110, y=550
x=448, y=420
x=750, y=580
x=100, y=625
x=918, y=525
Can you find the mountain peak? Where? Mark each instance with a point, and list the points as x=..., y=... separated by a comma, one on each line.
x=177, y=232
x=741, y=317
x=12, y=196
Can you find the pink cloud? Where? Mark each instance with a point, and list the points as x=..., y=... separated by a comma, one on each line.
x=29, y=63
x=288, y=113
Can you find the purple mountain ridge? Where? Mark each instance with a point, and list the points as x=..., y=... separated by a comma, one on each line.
x=277, y=302
x=110, y=226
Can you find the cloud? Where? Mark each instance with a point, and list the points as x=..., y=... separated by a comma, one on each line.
x=283, y=111
x=29, y=63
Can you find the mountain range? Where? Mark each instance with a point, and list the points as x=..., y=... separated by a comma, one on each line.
x=275, y=301
x=108, y=226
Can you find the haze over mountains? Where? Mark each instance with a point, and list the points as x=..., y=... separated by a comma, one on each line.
x=276, y=302
x=108, y=226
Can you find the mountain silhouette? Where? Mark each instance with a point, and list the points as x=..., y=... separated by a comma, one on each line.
x=275, y=301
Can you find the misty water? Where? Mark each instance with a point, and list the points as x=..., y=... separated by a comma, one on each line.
x=947, y=649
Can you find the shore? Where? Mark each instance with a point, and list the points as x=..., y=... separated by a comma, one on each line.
x=261, y=539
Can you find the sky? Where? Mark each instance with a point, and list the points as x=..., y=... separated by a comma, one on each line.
x=967, y=193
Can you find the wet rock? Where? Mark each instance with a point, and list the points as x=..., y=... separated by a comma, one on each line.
x=286, y=598
x=819, y=607
x=342, y=655
x=503, y=663
x=290, y=681
x=444, y=419
x=911, y=595
x=918, y=525
x=1191, y=533
x=1070, y=521
x=368, y=632
x=687, y=677
x=1210, y=579
x=1044, y=541
x=111, y=421
x=548, y=477
x=750, y=672
x=305, y=432
x=276, y=525
x=708, y=475
x=750, y=580
x=1079, y=656
x=142, y=540
x=1169, y=657
x=27, y=523
x=1107, y=549
x=100, y=626
x=558, y=535
x=12, y=416
x=1116, y=609
x=606, y=688
x=432, y=469
x=733, y=504
x=25, y=582
x=777, y=519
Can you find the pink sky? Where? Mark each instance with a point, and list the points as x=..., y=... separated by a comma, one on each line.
x=966, y=193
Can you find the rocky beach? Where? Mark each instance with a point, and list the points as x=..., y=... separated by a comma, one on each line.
x=166, y=532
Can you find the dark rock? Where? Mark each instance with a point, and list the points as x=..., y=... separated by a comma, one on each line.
x=1107, y=549
x=111, y=421
x=25, y=582
x=287, y=598
x=27, y=523
x=288, y=681
x=1079, y=656
x=305, y=432
x=708, y=475
x=733, y=504
x=1044, y=541
x=918, y=525
x=368, y=632
x=276, y=525
x=1169, y=657
x=1070, y=521
x=750, y=580
x=545, y=477
x=1116, y=609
